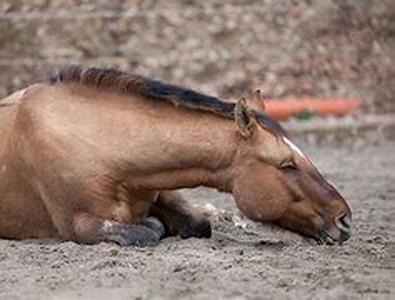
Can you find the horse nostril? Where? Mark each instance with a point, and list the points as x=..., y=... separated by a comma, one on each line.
x=343, y=222
x=346, y=221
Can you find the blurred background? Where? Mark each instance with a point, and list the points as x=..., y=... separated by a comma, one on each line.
x=326, y=49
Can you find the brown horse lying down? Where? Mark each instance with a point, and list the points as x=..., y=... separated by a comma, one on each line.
x=96, y=155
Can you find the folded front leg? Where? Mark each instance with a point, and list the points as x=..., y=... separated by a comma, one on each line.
x=180, y=217
x=91, y=230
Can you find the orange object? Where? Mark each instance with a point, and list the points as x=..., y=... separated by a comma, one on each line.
x=284, y=109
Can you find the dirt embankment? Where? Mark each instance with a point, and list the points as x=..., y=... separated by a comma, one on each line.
x=287, y=48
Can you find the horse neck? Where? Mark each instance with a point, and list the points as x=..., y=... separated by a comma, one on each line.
x=193, y=148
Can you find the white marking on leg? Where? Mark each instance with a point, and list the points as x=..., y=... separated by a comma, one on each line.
x=107, y=225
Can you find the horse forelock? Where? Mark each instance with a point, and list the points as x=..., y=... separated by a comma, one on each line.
x=111, y=80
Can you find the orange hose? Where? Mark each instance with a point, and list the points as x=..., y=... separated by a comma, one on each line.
x=284, y=109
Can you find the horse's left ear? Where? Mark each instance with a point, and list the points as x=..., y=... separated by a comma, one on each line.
x=256, y=100
x=245, y=120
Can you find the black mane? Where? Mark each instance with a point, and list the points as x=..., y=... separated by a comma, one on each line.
x=126, y=83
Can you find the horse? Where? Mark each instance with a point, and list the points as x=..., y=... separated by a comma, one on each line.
x=97, y=155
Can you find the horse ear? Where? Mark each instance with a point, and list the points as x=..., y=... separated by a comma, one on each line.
x=244, y=120
x=257, y=100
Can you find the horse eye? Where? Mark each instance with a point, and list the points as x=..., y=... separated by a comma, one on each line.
x=288, y=165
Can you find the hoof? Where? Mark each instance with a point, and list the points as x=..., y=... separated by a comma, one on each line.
x=156, y=225
x=140, y=236
x=197, y=229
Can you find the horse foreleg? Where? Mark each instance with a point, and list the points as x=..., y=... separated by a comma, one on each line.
x=180, y=217
x=91, y=230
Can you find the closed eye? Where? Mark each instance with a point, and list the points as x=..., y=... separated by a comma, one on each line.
x=288, y=165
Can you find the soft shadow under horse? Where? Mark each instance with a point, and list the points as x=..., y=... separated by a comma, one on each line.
x=97, y=155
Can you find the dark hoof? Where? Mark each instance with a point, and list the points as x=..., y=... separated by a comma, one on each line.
x=197, y=229
x=156, y=225
x=140, y=236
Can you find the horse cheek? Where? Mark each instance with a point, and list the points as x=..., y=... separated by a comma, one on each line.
x=260, y=204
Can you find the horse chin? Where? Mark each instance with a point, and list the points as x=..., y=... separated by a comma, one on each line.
x=327, y=238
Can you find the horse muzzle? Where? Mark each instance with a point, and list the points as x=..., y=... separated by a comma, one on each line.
x=338, y=233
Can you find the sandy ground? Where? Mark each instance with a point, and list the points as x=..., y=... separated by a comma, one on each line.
x=255, y=262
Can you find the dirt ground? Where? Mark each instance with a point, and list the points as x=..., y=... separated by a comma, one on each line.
x=254, y=262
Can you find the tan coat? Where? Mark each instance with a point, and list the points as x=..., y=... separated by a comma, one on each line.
x=91, y=154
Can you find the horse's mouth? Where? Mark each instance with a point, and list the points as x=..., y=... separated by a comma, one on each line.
x=341, y=230
x=325, y=238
